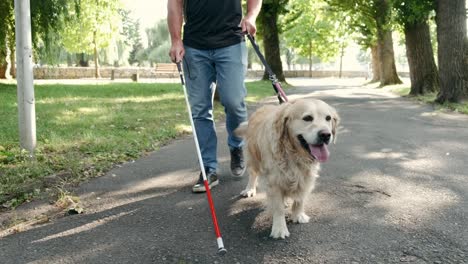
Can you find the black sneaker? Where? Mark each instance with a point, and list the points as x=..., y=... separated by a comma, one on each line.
x=212, y=178
x=237, y=162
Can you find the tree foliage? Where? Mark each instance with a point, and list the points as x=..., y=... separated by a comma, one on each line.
x=410, y=12
x=45, y=20
x=361, y=19
x=7, y=28
x=158, y=43
x=312, y=29
x=377, y=18
x=131, y=35
x=95, y=25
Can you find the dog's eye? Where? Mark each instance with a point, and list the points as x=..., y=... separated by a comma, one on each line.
x=308, y=118
x=328, y=118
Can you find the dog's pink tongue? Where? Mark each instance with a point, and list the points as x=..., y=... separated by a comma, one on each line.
x=320, y=152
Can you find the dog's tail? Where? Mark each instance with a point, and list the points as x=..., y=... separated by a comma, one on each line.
x=241, y=130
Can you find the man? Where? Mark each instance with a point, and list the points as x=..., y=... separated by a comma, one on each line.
x=213, y=51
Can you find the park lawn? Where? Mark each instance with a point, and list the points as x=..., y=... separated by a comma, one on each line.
x=429, y=99
x=84, y=130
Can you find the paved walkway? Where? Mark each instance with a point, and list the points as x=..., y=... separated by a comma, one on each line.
x=395, y=190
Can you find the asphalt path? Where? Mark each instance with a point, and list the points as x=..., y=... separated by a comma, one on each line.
x=395, y=190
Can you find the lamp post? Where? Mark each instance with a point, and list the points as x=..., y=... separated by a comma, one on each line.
x=24, y=77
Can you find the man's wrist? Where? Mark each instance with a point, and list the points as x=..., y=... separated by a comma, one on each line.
x=250, y=17
x=176, y=41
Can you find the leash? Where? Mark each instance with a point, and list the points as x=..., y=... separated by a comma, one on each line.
x=271, y=75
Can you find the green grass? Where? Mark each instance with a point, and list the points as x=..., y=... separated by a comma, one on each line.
x=83, y=130
x=429, y=99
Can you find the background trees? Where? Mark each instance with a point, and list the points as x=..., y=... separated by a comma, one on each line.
x=304, y=31
x=158, y=43
x=95, y=26
x=6, y=38
x=375, y=17
x=310, y=29
x=45, y=17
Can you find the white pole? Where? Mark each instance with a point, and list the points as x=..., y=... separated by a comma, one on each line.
x=24, y=77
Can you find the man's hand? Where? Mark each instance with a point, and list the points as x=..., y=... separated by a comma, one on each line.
x=248, y=25
x=174, y=23
x=177, y=51
x=248, y=22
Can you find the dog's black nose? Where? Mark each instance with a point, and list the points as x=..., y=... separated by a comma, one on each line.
x=324, y=136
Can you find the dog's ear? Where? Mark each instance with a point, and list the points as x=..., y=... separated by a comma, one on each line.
x=335, y=123
x=281, y=121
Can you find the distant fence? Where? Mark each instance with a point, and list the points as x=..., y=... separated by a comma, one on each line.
x=127, y=73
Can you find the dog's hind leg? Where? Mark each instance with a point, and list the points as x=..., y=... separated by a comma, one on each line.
x=298, y=215
x=251, y=188
x=276, y=203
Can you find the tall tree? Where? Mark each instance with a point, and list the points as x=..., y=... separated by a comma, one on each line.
x=312, y=30
x=93, y=28
x=451, y=38
x=269, y=31
x=377, y=16
x=388, y=73
x=413, y=15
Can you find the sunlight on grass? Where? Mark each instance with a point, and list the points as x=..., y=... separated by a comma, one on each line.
x=87, y=110
x=185, y=129
x=83, y=130
x=136, y=99
x=259, y=90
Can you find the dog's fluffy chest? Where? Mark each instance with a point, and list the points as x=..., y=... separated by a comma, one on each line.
x=296, y=181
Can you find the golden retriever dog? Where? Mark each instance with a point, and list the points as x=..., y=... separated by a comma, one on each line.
x=285, y=145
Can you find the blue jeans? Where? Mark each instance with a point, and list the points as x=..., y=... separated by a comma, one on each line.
x=206, y=70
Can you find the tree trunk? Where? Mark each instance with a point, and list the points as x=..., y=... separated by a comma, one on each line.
x=6, y=58
x=341, y=59
x=2, y=70
x=466, y=65
x=97, y=74
x=375, y=64
x=310, y=59
x=69, y=60
x=12, y=60
x=3, y=62
x=268, y=19
x=451, y=37
x=423, y=70
x=82, y=61
x=388, y=73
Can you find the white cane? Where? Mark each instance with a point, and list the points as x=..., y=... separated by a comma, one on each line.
x=219, y=239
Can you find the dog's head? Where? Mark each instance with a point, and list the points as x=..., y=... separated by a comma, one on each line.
x=307, y=126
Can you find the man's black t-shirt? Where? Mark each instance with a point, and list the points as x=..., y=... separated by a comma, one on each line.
x=212, y=24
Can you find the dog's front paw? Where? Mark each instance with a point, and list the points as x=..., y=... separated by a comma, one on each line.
x=279, y=232
x=300, y=218
x=249, y=192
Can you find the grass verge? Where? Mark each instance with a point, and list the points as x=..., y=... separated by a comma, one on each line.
x=84, y=130
x=429, y=99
